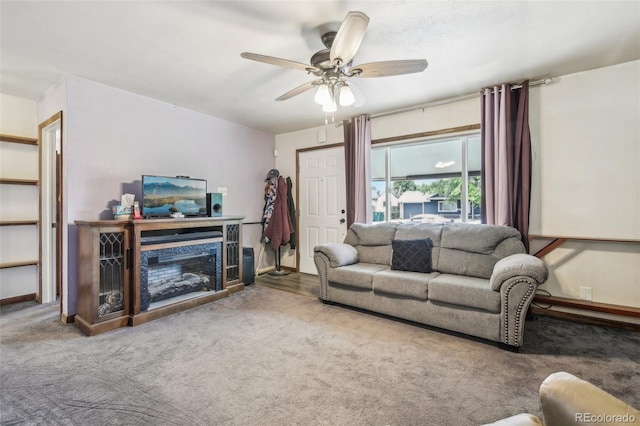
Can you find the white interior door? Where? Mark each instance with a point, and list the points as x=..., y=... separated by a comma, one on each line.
x=322, y=202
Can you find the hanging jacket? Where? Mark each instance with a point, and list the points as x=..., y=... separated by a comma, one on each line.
x=269, y=203
x=279, y=229
x=292, y=213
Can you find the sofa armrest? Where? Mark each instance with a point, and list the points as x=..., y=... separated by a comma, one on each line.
x=516, y=277
x=518, y=265
x=523, y=419
x=332, y=255
x=568, y=400
x=339, y=254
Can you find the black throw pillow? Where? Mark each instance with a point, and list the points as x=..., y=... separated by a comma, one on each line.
x=412, y=255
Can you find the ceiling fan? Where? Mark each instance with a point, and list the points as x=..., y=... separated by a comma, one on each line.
x=333, y=66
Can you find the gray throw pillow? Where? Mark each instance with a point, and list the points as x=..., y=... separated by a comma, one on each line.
x=412, y=255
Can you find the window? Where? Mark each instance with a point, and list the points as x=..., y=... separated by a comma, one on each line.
x=447, y=206
x=435, y=180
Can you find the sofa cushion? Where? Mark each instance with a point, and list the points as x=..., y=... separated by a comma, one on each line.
x=359, y=275
x=411, y=255
x=401, y=283
x=458, y=262
x=459, y=290
x=476, y=239
x=372, y=241
x=375, y=254
x=377, y=234
x=473, y=250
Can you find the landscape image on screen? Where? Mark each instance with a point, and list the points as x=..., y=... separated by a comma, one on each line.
x=160, y=194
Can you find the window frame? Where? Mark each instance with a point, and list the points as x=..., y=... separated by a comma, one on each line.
x=463, y=134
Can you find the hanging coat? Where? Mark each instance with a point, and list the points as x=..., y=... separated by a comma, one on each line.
x=269, y=203
x=279, y=228
x=292, y=213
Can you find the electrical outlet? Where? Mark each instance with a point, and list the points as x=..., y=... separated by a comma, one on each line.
x=222, y=190
x=586, y=293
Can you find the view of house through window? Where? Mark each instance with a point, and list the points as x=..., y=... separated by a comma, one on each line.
x=428, y=181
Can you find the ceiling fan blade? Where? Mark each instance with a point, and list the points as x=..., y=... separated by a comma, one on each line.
x=389, y=68
x=348, y=38
x=298, y=90
x=280, y=62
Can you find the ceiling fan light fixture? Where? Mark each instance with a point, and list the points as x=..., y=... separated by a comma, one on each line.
x=346, y=96
x=322, y=96
x=330, y=106
x=333, y=67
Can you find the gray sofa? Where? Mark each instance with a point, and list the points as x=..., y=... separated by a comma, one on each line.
x=481, y=281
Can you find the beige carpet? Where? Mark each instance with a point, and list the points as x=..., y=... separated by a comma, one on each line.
x=268, y=357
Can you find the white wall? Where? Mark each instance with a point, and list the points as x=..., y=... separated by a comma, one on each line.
x=113, y=137
x=586, y=128
x=456, y=114
x=589, y=138
x=576, y=122
x=18, y=116
x=18, y=202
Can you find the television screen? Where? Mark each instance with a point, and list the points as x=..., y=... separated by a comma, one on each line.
x=162, y=195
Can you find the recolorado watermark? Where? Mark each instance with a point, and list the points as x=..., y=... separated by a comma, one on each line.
x=605, y=418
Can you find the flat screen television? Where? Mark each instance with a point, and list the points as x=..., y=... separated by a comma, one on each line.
x=163, y=195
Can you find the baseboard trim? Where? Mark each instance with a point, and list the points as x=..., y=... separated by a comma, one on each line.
x=67, y=319
x=607, y=308
x=585, y=319
x=18, y=299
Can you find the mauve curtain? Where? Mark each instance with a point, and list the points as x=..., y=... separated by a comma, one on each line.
x=357, y=156
x=506, y=157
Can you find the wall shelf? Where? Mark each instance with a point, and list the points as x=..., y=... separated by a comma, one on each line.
x=18, y=264
x=14, y=291
x=19, y=222
x=18, y=139
x=9, y=181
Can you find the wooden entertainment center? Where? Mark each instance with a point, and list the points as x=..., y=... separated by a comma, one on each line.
x=115, y=255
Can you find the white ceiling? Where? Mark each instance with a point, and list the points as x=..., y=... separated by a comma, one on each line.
x=187, y=53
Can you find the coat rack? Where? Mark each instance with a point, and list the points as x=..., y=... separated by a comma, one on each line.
x=277, y=222
x=279, y=271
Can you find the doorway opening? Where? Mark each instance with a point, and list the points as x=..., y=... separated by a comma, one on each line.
x=50, y=280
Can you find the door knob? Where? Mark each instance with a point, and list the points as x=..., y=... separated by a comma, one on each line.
x=342, y=220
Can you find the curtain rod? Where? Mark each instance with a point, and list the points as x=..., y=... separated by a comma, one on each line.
x=451, y=100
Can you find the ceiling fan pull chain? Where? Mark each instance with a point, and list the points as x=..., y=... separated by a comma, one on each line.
x=326, y=117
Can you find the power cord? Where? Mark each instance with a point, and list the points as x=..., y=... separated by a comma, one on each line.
x=544, y=293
